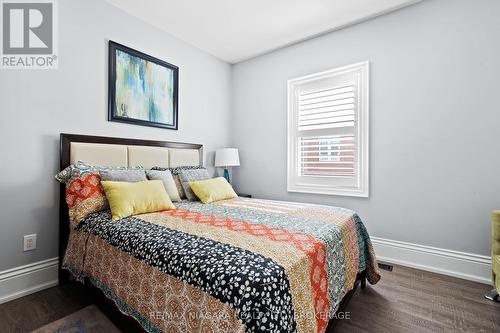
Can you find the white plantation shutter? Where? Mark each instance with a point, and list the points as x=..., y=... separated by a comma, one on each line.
x=329, y=108
x=328, y=132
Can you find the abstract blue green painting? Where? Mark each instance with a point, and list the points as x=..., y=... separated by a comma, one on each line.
x=143, y=89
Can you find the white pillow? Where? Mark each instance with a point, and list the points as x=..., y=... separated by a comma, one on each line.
x=168, y=182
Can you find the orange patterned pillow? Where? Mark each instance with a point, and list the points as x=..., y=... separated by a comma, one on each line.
x=84, y=196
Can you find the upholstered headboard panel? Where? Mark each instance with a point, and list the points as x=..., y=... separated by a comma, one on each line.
x=103, y=151
x=149, y=157
x=98, y=154
x=128, y=155
x=180, y=157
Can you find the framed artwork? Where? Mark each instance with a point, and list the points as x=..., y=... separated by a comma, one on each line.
x=143, y=90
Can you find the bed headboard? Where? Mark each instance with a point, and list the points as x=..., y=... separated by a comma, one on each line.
x=107, y=151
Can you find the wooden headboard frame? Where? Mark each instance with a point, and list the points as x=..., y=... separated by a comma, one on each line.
x=65, y=142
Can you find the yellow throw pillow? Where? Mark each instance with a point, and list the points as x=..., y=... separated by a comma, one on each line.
x=126, y=199
x=215, y=189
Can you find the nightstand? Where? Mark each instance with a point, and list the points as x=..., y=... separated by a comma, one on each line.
x=243, y=195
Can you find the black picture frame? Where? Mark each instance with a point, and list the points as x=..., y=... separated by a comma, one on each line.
x=112, y=107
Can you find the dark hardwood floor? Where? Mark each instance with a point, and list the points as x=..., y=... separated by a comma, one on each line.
x=410, y=300
x=405, y=300
x=33, y=311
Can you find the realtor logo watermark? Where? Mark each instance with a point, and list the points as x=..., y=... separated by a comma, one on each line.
x=29, y=34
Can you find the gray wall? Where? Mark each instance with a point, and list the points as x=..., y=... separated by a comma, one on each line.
x=435, y=120
x=37, y=105
x=434, y=85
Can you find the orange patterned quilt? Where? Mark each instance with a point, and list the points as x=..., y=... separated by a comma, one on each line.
x=240, y=265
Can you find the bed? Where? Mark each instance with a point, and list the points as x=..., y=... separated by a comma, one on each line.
x=237, y=265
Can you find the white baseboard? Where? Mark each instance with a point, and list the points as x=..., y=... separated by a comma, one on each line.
x=24, y=280
x=454, y=263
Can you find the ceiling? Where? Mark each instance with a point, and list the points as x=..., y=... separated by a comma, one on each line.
x=237, y=30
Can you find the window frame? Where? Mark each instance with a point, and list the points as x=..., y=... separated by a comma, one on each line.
x=340, y=186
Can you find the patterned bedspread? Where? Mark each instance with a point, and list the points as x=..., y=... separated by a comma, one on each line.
x=240, y=265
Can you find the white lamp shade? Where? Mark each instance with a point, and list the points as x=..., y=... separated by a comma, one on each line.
x=227, y=157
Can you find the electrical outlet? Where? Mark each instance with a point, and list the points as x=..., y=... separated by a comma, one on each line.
x=29, y=242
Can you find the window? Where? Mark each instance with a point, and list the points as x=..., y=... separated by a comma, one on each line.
x=329, y=150
x=328, y=132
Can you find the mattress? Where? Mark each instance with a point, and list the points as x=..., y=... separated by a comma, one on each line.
x=239, y=265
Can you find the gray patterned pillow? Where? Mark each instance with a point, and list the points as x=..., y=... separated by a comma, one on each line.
x=187, y=176
x=176, y=170
x=169, y=182
x=178, y=184
x=131, y=176
x=81, y=168
x=175, y=173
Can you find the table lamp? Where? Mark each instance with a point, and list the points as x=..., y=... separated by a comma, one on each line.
x=227, y=157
